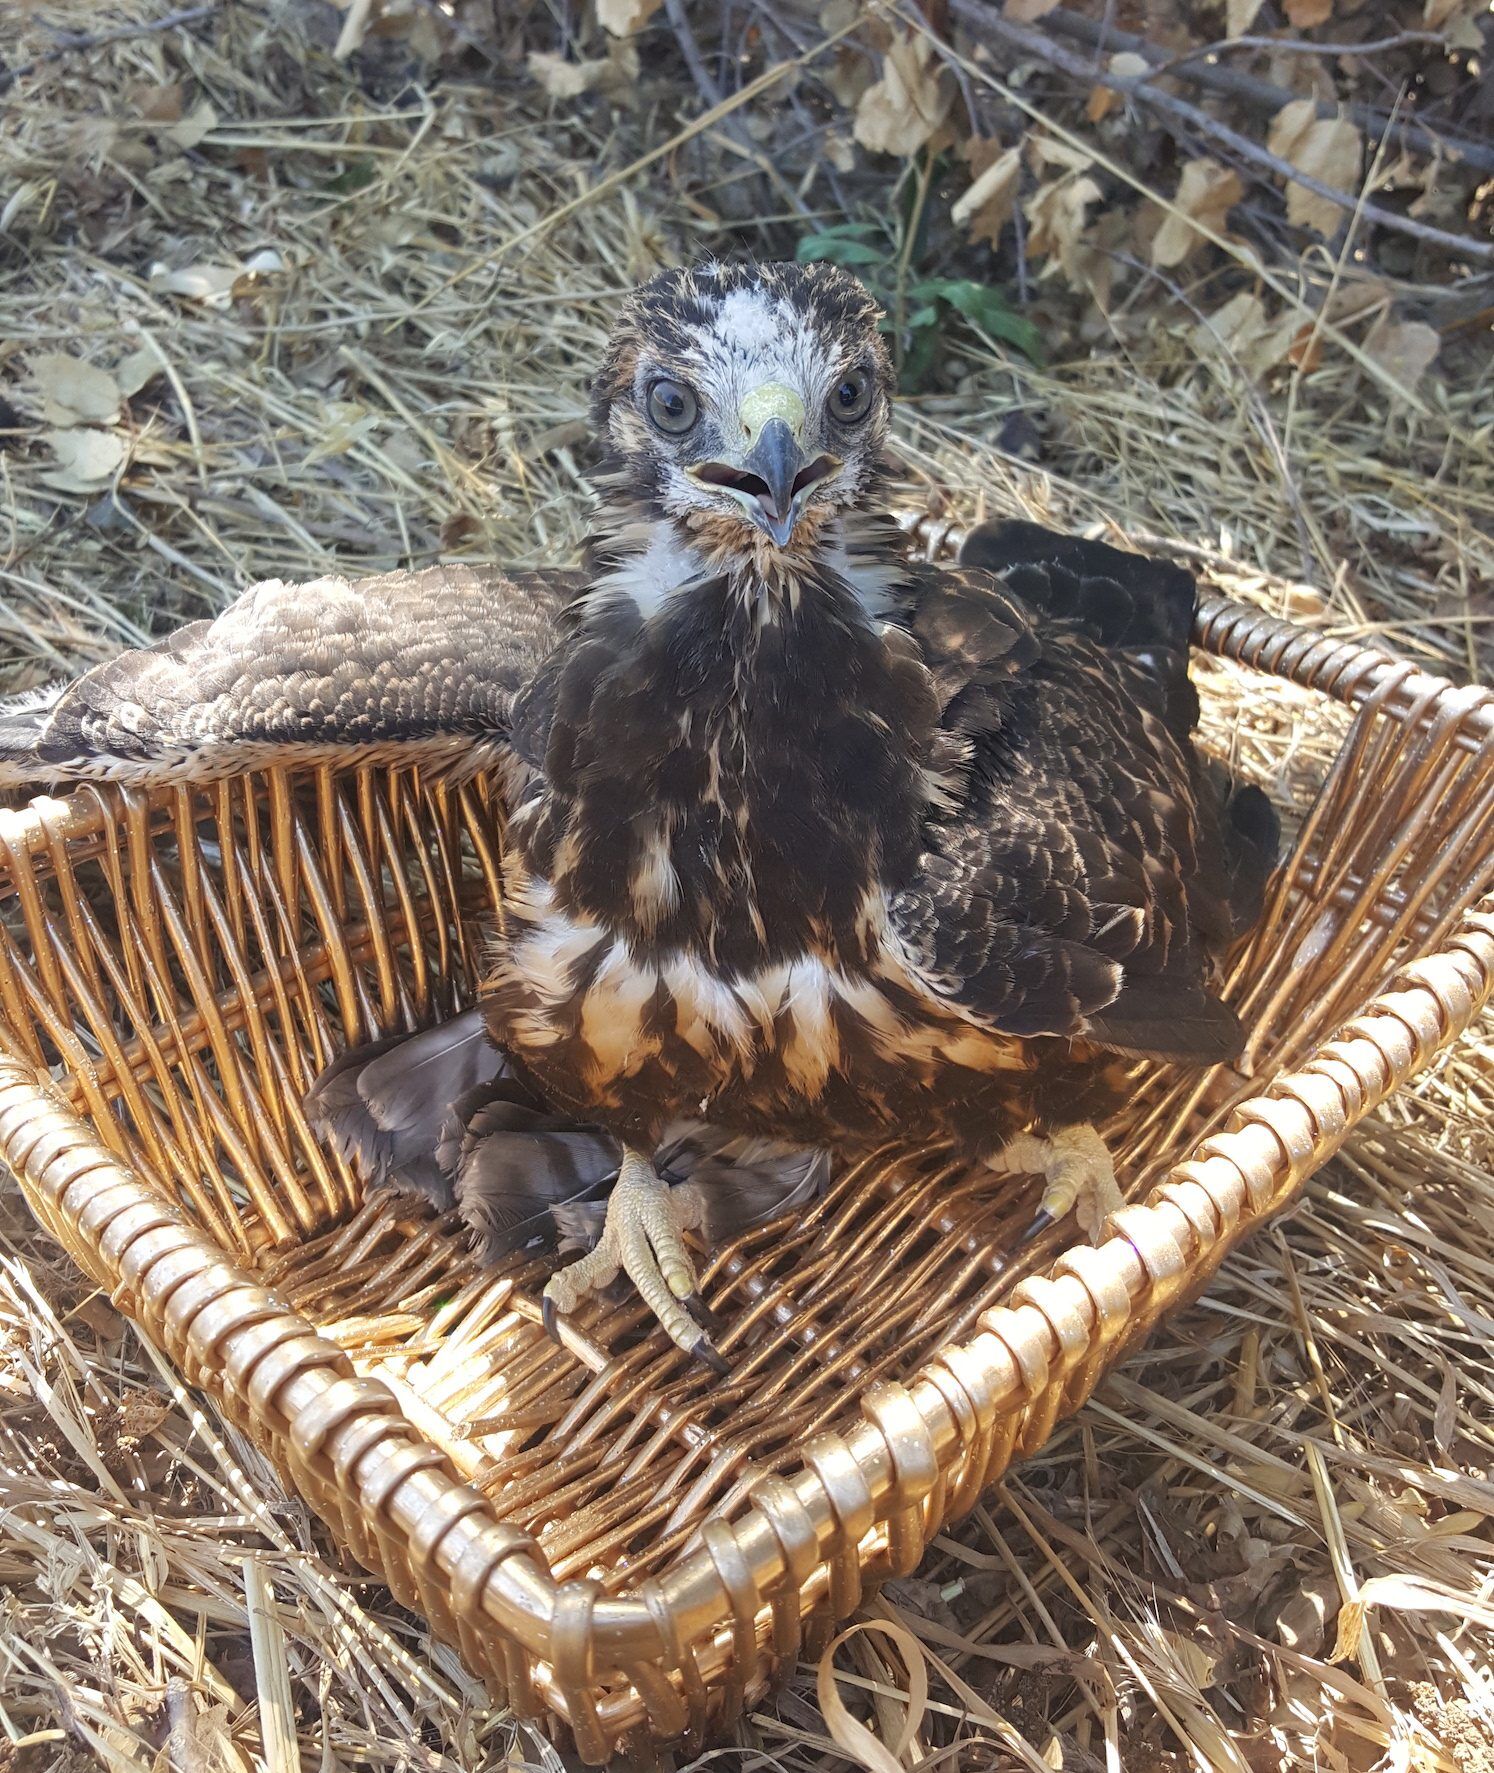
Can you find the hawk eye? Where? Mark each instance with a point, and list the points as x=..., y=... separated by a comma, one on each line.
x=672, y=407
x=852, y=400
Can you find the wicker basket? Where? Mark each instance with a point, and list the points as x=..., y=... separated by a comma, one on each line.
x=607, y=1532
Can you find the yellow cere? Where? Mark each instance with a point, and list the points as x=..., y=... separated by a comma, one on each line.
x=772, y=401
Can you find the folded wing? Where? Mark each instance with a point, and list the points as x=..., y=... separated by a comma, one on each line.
x=1089, y=867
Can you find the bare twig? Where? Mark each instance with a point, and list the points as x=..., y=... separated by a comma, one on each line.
x=1264, y=95
x=1035, y=43
x=73, y=42
x=1297, y=46
x=711, y=94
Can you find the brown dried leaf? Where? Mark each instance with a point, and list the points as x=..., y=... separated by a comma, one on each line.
x=987, y=206
x=908, y=103
x=1056, y=216
x=212, y=284
x=848, y=77
x=1307, y=15
x=1327, y=147
x=1240, y=16
x=200, y=121
x=1206, y=193
x=87, y=459
x=1126, y=65
x=839, y=150
x=133, y=372
x=157, y=104
x=568, y=80
x=1024, y=12
x=623, y=17
x=72, y=390
x=1235, y=327
x=1048, y=150
x=1290, y=126
x=1404, y=349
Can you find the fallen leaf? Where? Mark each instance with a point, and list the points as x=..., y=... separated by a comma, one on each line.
x=848, y=77
x=1024, y=12
x=560, y=78
x=157, y=104
x=1194, y=1660
x=1056, y=215
x=210, y=284
x=87, y=459
x=1246, y=333
x=1306, y=350
x=198, y=122
x=1234, y=327
x=908, y=103
x=987, y=206
x=839, y=150
x=1050, y=151
x=1404, y=349
x=1126, y=65
x=1307, y=15
x=72, y=390
x=623, y=17
x=1329, y=149
x=1239, y=16
x=568, y=80
x=135, y=371
x=1206, y=193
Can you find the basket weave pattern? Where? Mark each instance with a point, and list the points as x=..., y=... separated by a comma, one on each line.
x=604, y=1532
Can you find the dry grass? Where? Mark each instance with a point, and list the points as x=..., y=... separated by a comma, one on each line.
x=1268, y=1541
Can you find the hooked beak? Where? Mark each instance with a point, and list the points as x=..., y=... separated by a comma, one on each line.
x=772, y=480
x=776, y=459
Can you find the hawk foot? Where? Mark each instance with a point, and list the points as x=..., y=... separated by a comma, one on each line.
x=642, y=1239
x=1077, y=1172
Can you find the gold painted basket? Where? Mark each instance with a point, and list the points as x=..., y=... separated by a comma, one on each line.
x=608, y=1533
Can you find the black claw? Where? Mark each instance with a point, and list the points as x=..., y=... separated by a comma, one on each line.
x=706, y=1350
x=550, y=1318
x=702, y=1313
x=1041, y=1220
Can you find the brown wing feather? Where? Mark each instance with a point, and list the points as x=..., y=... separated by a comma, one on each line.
x=1070, y=889
x=431, y=658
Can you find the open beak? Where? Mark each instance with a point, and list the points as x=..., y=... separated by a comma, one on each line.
x=776, y=459
x=773, y=478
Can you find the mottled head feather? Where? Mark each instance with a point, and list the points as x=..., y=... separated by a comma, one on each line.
x=726, y=330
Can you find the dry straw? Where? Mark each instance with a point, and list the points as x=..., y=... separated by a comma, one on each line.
x=1244, y=1558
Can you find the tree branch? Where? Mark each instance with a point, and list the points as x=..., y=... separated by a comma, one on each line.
x=69, y=42
x=983, y=19
x=1263, y=94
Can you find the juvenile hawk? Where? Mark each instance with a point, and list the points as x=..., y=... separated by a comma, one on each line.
x=809, y=843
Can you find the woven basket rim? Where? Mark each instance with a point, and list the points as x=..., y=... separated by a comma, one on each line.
x=866, y=1487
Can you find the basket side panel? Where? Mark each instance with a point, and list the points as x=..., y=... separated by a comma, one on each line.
x=340, y=1439
x=186, y=962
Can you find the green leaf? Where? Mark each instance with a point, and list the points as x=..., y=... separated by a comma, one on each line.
x=986, y=308
x=357, y=176
x=836, y=249
x=918, y=359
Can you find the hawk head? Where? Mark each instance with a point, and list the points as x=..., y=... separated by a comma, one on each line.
x=745, y=401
